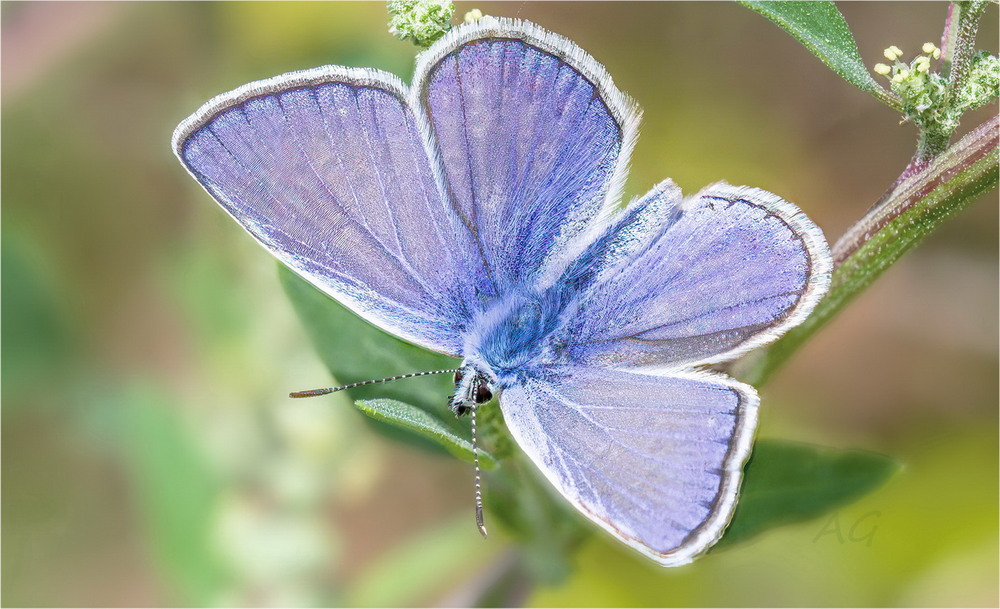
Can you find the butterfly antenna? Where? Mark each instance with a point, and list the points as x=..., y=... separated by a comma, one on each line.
x=309, y=393
x=479, y=486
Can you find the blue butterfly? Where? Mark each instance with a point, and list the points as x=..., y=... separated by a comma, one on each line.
x=477, y=214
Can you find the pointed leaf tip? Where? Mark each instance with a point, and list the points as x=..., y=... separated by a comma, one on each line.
x=822, y=29
x=423, y=423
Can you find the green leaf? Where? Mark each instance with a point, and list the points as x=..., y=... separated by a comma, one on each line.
x=785, y=482
x=545, y=526
x=410, y=417
x=821, y=28
x=912, y=209
x=354, y=350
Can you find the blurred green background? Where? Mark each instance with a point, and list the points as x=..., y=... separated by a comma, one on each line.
x=150, y=455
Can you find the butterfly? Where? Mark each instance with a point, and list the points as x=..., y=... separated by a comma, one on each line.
x=477, y=213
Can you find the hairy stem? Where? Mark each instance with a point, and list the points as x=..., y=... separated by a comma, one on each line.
x=910, y=211
x=958, y=38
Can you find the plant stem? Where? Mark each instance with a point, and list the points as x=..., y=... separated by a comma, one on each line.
x=958, y=38
x=930, y=143
x=937, y=183
x=916, y=205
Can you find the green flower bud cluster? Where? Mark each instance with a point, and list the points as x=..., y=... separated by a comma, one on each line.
x=924, y=93
x=422, y=21
x=983, y=85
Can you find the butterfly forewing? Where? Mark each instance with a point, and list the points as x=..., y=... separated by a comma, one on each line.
x=329, y=170
x=532, y=136
x=724, y=271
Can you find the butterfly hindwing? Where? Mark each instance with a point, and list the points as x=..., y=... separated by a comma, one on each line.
x=654, y=460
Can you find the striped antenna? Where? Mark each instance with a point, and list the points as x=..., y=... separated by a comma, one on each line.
x=479, y=486
x=309, y=393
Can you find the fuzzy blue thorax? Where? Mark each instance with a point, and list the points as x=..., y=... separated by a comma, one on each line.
x=513, y=332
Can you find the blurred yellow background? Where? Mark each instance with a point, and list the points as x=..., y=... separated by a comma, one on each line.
x=150, y=456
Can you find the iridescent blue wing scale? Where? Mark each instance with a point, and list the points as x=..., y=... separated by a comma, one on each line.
x=654, y=460
x=330, y=170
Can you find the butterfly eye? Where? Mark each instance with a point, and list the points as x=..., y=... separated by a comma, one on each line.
x=458, y=376
x=483, y=394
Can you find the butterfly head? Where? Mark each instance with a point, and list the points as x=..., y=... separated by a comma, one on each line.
x=473, y=387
